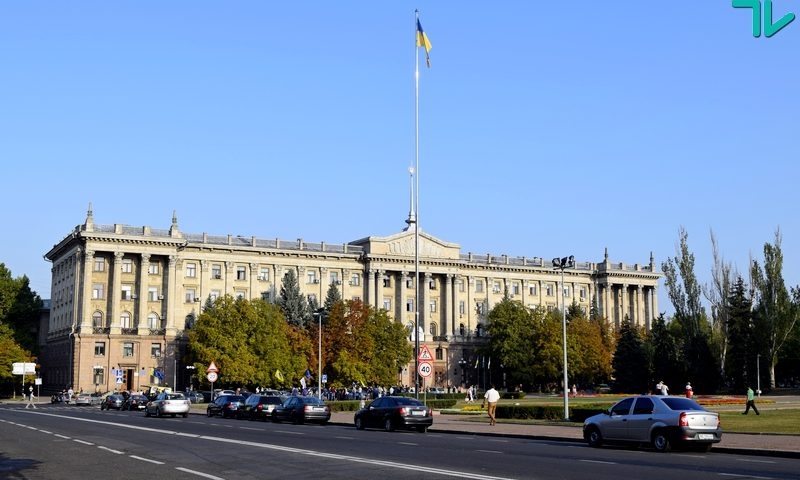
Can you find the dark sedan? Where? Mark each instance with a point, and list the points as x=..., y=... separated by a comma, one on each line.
x=135, y=402
x=301, y=410
x=259, y=407
x=114, y=401
x=391, y=413
x=225, y=405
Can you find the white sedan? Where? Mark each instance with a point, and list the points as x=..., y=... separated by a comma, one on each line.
x=168, y=404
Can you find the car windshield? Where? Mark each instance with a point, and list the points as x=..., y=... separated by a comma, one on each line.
x=678, y=403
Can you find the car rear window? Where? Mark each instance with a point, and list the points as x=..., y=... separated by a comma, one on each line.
x=678, y=403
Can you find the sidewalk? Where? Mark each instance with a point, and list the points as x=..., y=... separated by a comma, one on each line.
x=742, y=443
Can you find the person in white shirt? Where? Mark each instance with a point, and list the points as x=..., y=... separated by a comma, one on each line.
x=491, y=397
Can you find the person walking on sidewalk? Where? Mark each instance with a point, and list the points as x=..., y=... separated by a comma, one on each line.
x=30, y=398
x=491, y=397
x=751, y=402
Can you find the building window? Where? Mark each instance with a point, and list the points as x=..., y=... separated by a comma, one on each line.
x=153, y=322
x=515, y=288
x=152, y=294
x=97, y=320
x=433, y=306
x=99, y=264
x=409, y=282
x=190, y=295
x=189, y=321
x=334, y=277
x=266, y=296
x=387, y=304
x=387, y=282
x=263, y=274
x=410, y=305
x=214, y=295
x=431, y=284
x=127, y=349
x=496, y=288
x=462, y=307
x=356, y=298
x=462, y=330
x=532, y=290
x=583, y=294
x=460, y=283
x=127, y=265
x=155, y=350
x=566, y=291
x=99, y=349
x=240, y=294
x=191, y=270
x=439, y=353
x=98, y=291
x=241, y=273
x=478, y=286
x=433, y=329
x=125, y=320
x=127, y=292
x=311, y=277
x=355, y=280
x=216, y=271
x=548, y=290
x=153, y=269
x=312, y=299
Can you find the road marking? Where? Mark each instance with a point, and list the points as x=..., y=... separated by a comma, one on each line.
x=755, y=461
x=345, y=438
x=737, y=475
x=489, y=451
x=110, y=450
x=146, y=459
x=46, y=431
x=410, y=444
x=83, y=442
x=598, y=461
x=199, y=474
x=63, y=436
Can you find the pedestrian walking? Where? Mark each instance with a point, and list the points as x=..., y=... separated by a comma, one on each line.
x=751, y=402
x=664, y=389
x=688, y=390
x=490, y=398
x=30, y=398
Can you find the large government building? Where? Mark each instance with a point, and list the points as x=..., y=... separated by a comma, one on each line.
x=122, y=297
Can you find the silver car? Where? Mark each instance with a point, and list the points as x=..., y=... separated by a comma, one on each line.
x=168, y=404
x=660, y=421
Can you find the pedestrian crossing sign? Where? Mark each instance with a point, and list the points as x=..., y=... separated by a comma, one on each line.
x=424, y=354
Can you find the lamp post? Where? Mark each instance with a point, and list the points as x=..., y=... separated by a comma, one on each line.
x=561, y=264
x=319, y=314
x=463, y=364
x=503, y=369
x=758, y=374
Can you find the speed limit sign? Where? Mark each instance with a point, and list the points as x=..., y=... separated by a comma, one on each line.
x=425, y=369
x=211, y=376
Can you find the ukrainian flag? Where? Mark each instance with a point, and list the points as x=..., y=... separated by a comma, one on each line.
x=422, y=41
x=279, y=375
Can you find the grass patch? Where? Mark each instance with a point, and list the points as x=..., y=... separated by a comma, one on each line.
x=783, y=421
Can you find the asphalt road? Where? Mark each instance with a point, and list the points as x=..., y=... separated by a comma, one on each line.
x=67, y=442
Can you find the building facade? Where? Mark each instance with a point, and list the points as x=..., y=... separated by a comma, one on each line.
x=123, y=297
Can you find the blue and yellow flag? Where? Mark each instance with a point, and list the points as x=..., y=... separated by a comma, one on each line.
x=422, y=41
x=279, y=375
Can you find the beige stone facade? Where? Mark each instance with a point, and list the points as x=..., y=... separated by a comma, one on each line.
x=123, y=297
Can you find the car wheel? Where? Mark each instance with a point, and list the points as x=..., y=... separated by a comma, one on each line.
x=422, y=429
x=102, y=407
x=593, y=437
x=660, y=441
x=158, y=412
x=388, y=425
x=146, y=412
x=359, y=423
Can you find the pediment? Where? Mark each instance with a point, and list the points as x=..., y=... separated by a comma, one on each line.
x=402, y=244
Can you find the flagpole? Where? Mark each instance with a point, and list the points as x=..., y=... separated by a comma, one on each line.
x=416, y=203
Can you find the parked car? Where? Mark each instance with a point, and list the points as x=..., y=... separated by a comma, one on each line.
x=225, y=405
x=662, y=422
x=84, y=399
x=391, y=413
x=259, y=407
x=135, y=402
x=195, y=397
x=168, y=403
x=113, y=401
x=301, y=410
x=437, y=390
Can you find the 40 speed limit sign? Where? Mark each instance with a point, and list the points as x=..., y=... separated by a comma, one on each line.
x=425, y=369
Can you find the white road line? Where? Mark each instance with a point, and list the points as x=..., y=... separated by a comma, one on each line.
x=63, y=436
x=82, y=441
x=755, y=461
x=598, y=461
x=136, y=457
x=737, y=475
x=110, y=450
x=199, y=474
x=410, y=444
x=345, y=438
x=489, y=451
x=46, y=431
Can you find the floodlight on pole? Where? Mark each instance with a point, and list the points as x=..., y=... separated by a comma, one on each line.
x=562, y=264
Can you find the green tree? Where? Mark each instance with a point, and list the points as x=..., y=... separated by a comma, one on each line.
x=10, y=352
x=631, y=362
x=20, y=309
x=589, y=358
x=740, y=370
x=333, y=296
x=776, y=312
x=718, y=295
x=291, y=301
x=666, y=360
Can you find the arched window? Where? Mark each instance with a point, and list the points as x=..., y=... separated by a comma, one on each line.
x=190, y=321
x=125, y=320
x=153, y=322
x=433, y=328
x=462, y=330
x=97, y=320
x=478, y=330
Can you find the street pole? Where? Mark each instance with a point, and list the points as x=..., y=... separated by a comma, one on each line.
x=319, y=360
x=561, y=264
x=758, y=374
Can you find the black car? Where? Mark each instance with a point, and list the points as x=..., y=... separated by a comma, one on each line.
x=301, y=410
x=259, y=407
x=114, y=401
x=135, y=402
x=391, y=413
x=225, y=405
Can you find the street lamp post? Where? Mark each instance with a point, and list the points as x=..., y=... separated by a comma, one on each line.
x=463, y=364
x=319, y=314
x=758, y=374
x=561, y=264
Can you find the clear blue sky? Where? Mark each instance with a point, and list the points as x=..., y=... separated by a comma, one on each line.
x=546, y=128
